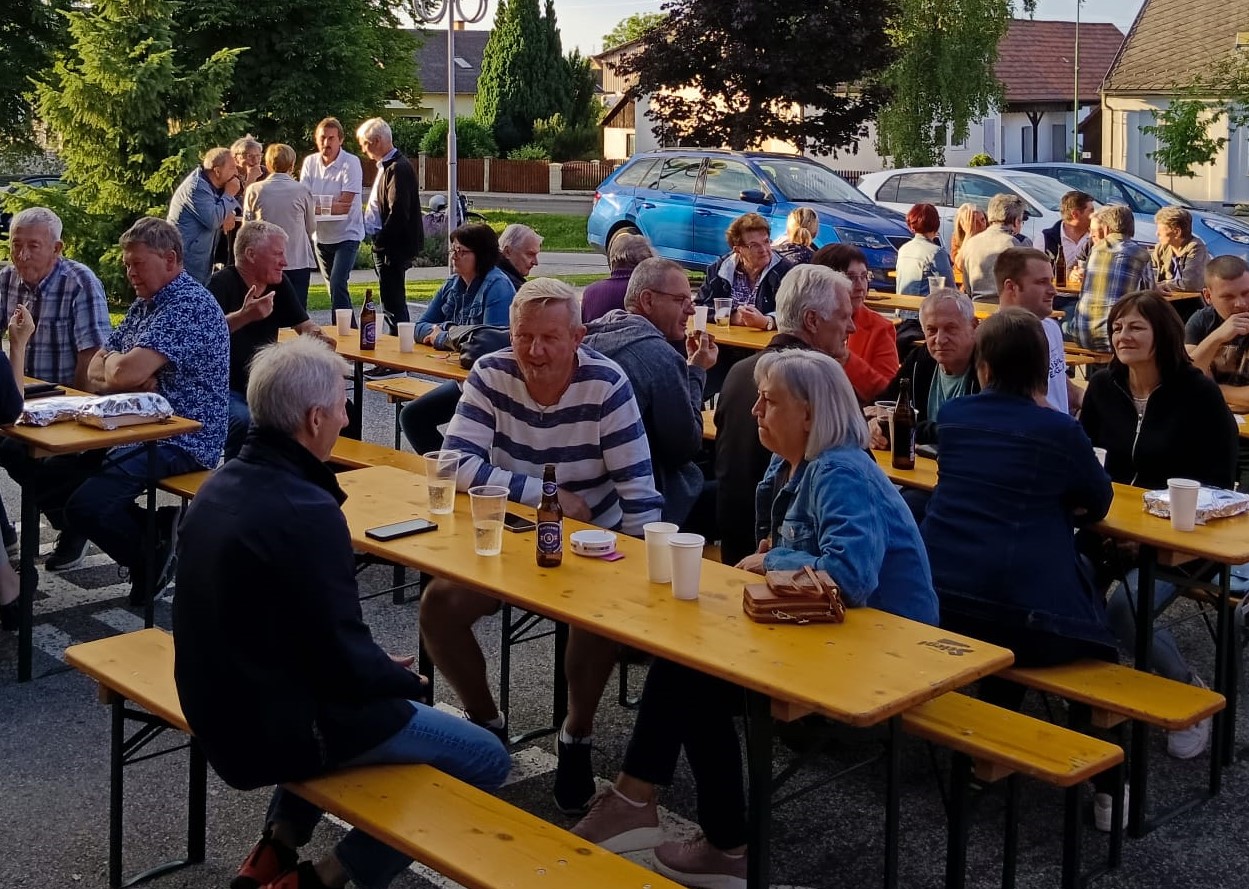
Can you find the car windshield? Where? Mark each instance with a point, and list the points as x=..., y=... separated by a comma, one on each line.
x=1160, y=194
x=800, y=180
x=1046, y=192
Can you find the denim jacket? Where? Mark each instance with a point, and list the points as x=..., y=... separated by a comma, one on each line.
x=839, y=513
x=485, y=301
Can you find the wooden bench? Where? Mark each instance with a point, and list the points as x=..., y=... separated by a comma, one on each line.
x=1115, y=694
x=399, y=391
x=474, y=838
x=999, y=744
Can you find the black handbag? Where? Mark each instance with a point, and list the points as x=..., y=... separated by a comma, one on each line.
x=474, y=340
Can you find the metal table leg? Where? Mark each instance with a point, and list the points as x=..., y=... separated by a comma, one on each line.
x=29, y=581
x=759, y=788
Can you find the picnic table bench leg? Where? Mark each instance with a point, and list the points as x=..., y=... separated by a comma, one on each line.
x=893, y=791
x=1226, y=678
x=956, y=837
x=29, y=580
x=116, y=796
x=197, y=804
x=149, y=540
x=1073, y=825
x=759, y=788
x=355, y=424
x=1139, y=804
x=1010, y=842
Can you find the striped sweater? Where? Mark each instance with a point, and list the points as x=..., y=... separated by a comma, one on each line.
x=593, y=435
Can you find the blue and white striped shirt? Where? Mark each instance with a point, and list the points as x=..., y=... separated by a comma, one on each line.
x=593, y=435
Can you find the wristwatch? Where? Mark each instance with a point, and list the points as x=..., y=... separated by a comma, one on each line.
x=771, y=323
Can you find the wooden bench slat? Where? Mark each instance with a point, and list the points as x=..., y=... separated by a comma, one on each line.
x=402, y=388
x=1015, y=741
x=1123, y=690
x=360, y=454
x=186, y=485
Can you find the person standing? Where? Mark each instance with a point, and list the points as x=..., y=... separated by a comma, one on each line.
x=203, y=208
x=392, y=217
x=278, y=198
x=334, y=174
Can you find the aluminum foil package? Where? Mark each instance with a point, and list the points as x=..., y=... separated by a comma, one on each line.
x=1212, y=503
x=46, y=411
x=124, y=409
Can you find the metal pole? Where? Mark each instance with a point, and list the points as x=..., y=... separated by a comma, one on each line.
x=1075, y=102
x=453, y=207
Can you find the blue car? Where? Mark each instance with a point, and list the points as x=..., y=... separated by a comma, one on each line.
x=683, y=199
x=1222, y=234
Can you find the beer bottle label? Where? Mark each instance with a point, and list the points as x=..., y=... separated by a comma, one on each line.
x=550, y=537
x=368, y=333
x=548, y=489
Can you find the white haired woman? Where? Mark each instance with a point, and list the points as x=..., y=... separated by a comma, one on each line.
x=824, y=502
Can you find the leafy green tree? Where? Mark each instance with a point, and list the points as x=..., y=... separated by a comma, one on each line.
x=523, y=77
x=304, y=59
x=632, y=28
x=1183, y=128
x=131, y=122
x=764, y=69
x=472, y=139
x=31, y=33
x=942, y=76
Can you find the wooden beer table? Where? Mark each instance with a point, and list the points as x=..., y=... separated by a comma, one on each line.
x=863, y=672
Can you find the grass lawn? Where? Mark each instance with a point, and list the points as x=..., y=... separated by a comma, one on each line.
x=561, y=233
x=418, y=291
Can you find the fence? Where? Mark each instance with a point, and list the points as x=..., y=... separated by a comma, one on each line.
x=852, y=176
x=519, y=177
x=585, y=175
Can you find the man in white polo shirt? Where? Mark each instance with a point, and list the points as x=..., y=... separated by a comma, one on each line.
x=334, y=172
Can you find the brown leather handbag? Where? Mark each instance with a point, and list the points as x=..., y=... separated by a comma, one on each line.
x=801, y=597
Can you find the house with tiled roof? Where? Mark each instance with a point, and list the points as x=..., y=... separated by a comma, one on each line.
x=1169, y=44
x=431, y=68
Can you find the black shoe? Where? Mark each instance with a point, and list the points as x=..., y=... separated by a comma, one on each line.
x=377, y=372
x=574, y=779
x=10, y=616
x=71, y=549
x=499, y=731
x=167, y=518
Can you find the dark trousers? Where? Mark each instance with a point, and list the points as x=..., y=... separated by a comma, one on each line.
x=684, y=708
x=421, y=417
x=391, y=283
x=300, y=278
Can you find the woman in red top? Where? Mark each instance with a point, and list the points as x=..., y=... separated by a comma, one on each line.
x=873, y=358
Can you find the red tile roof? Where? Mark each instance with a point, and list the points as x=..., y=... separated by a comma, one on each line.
x=1036, y=60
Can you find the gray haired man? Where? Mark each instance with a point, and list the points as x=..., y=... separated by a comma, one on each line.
x=519, y=246
x=981, y=250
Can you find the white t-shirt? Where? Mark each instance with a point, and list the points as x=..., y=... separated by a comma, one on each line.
x=342, y=174
x=1057, y=395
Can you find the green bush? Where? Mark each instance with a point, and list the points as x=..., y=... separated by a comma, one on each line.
x=408, y=133
x=364, y=257
x=472, y=139
x=982, y=160
x=567, y=143
x=531, y=152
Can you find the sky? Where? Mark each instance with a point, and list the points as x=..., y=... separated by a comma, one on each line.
x=583, y=23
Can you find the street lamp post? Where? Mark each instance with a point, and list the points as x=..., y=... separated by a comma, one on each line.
x=1075, y=102
x=430, y=12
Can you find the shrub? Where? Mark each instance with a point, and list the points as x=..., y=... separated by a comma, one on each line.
x=472, y=139
x=408, y=133
x=982, y=160
x=531, y=152
x=564, y=142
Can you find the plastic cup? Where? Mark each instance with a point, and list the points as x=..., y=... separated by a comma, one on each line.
x=489, y=504
x=686, y=552
x=935, y=282
x=658, y=559
x=440, y=470
x=884, y=416
x=407, y=336
x=724, y=312
x=1100, y=454
x=700, y=318
x=344, y=317
x=325, y=203
x=1183, y=493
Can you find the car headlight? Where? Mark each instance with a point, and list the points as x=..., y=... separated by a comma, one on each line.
x=860, y=238
x=1229, y=230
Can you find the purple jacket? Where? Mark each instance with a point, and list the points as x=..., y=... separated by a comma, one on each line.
x=603, y=296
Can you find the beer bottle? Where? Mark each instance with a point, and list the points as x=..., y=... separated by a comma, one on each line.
x=905, y=421
x=1060, y=267
x=368, y=322
x=550, y=522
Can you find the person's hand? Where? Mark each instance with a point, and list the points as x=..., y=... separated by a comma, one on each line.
x=232, y=187
x=404, y=660
x=752, y=563
x=877, y=440
x=749, y=316
x=574, y=506
x=228, y=224
x=701, y=349
x=431, y=336
x=1235, y=326
x=21, y=326
x=317, y=334
x=253, y=175
x=256, y=304
x=148, y=385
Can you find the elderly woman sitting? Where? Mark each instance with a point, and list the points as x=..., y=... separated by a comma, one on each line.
x=1180, y=257
x=823, y=503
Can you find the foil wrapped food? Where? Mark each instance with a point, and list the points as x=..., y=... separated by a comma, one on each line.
x=1212, y=503
x=124, y=409
x=46, y=411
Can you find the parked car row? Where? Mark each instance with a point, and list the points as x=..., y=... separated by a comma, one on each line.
x=5, y=188
x=683, y=200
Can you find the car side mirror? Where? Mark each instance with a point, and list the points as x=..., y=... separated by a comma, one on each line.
x=755, y=196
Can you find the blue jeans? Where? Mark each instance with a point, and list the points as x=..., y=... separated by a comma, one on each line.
x=421, y=417
x=1121, y=615
x=336, y=262
x=449, y=743
x=102, y=508
x=299, y=279
x=240, y=418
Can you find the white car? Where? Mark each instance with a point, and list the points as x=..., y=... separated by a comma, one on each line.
x=948, y=188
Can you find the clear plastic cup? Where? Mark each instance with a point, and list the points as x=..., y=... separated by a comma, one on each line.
x=1100, y=454
x=325, y=203
x=700, y=318
x=884, y=417
x=440, y=470
x=686, y=551
x=935, y=282
x=658, y=559
x=724, y=312
x=489, y=504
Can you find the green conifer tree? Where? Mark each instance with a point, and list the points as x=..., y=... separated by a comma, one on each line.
x=523, y=77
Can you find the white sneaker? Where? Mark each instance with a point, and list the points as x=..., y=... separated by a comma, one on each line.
x=1103, y=807
x=1192, y=741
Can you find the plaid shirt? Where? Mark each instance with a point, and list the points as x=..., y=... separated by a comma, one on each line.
x=1117, y=266
x=70, y=316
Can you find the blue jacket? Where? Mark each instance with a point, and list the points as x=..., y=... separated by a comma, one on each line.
x=197, y=210
x=1016, y=479
x=484, y=301
x=839, y=513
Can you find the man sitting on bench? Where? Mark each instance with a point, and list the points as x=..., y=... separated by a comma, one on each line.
x=278, y=675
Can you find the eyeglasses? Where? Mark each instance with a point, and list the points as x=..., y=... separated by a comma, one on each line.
x=458, y=250
x=863, y=278
x=756, y=246
x=680, y=297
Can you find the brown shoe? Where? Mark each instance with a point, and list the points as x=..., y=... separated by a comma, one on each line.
x=618, y=825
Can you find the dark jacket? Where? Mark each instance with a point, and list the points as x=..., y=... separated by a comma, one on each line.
x=740, y=459
x=11, y=397
x=920, y=367
x=1187, y=430
x=277, y=672
x=505, y=265
x=669, y=395
x=399, y=202
x=719, y=284
x=1016, y=478
x=1053, y=238
x=604, y=296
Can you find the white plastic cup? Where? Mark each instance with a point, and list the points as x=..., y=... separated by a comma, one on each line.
x=440, y=471
x=344, y=317
x=658, y=559
x=489, y=504
x=935, y=283
x=700, y=318
x=1100, y=454
x=325, y=203
x=724, y=312
x=407, y=336
x=1183, y=493
x=686, y=552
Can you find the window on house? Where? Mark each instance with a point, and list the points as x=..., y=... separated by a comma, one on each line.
x=1058, y=141
x=461, y=63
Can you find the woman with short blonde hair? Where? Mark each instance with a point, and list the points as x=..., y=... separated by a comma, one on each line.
x=281, y=199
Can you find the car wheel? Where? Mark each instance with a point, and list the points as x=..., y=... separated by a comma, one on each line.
x=623, y=230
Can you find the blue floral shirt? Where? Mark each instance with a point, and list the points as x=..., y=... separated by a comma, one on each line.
x=183, y=322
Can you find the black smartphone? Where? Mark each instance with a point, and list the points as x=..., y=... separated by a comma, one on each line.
x=926, y=450
x=517, y=523
x=41, y=390
x=401, y=529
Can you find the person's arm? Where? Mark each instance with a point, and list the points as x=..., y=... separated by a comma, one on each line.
x=708, y=292
x=1193, y=277
x=309, y=205
x=92, y=327
x=250, y=197
x=82, y=369
x=350, y=192
x=471, y=432
x=626, y=454
x=1204, y=352
x=256, y=306
x=676, y=435
x=21, y=328
x=209, y=208
x=1089, y=492
x=132, y=371
x=497, y=300
x=435, y=313
x=944, y=266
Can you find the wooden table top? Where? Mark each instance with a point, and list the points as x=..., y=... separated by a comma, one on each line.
x=423, y=359
x=873, y=666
